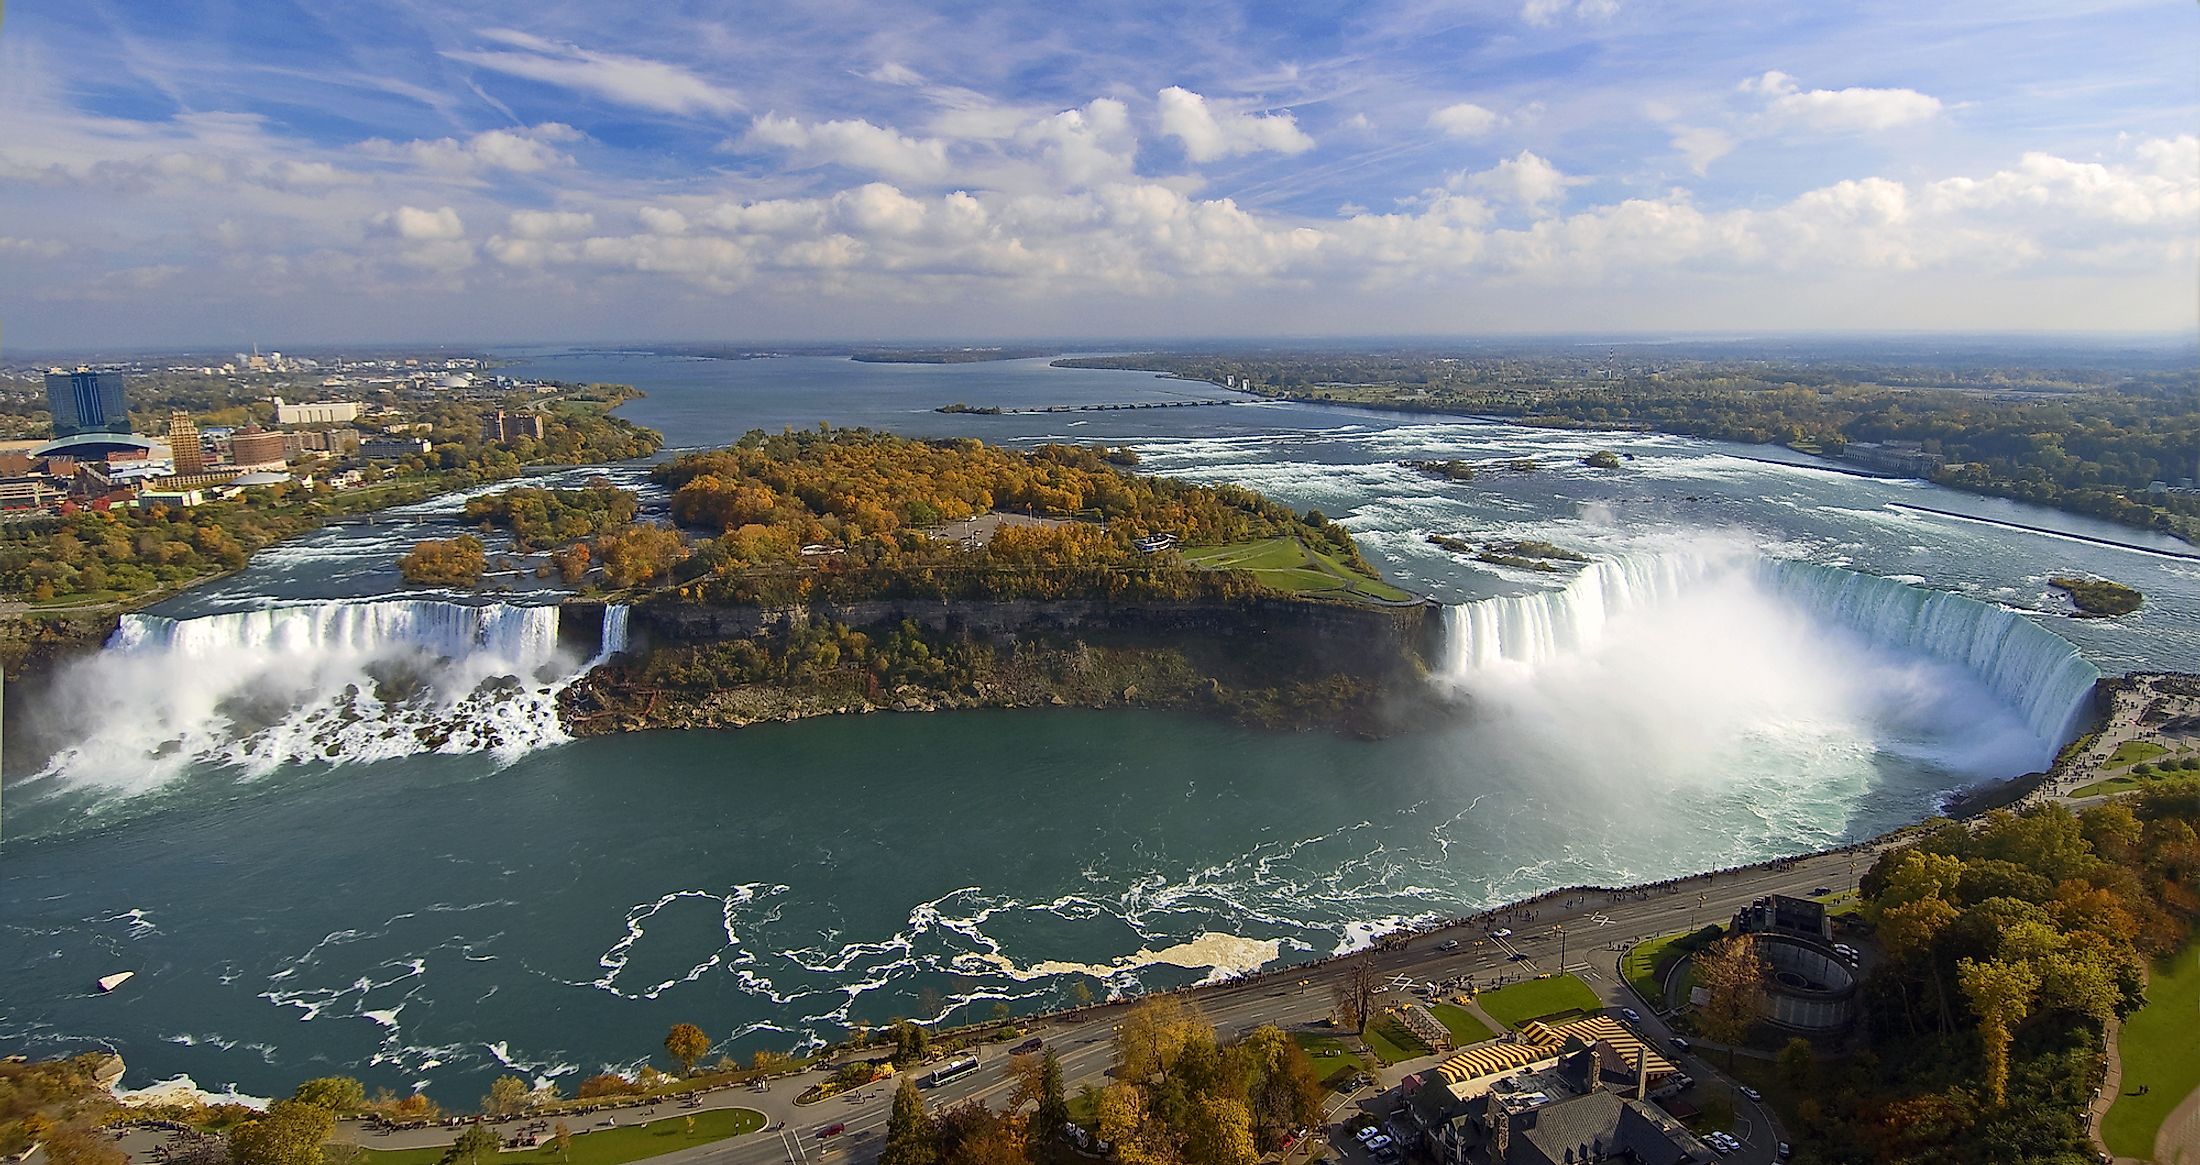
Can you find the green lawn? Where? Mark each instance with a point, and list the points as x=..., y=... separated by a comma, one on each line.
x=1330, y=1055
x=1642, y=970
x=1464, y=1027
x=1287, y=565
x=2156, y=1049
x=2111, y=785
x=1560, y=996
x=2131, y=752
x=602, y=1146
x=1392, y=1043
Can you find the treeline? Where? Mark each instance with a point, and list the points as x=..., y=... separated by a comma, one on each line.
x=850, y=513
x=593, y=525
x=1178, y=1096
x=2087, y=439
x=2008, y=947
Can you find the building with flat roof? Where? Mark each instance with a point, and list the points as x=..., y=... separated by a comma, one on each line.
x=323, y=412
x=185, y=451
x=84, y=401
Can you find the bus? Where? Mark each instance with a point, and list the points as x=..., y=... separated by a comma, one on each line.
x=950, y=1070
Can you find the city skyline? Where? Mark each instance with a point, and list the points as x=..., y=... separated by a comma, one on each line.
x=210, y=173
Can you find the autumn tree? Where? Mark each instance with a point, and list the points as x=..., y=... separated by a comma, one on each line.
x=290, y=1133
x=338, y=1094
x=1732, y=974
x=448, y=562
x=2001, y=995
x=687, y=1044
x=1352, y=998
x=507, y=1095
x=72, y=1143
x=561, y=1137
x=475, y=1145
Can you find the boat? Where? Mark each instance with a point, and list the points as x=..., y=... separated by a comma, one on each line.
x=110, y=982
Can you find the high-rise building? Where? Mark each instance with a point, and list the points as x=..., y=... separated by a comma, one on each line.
x=510, y=427
x=87, y=402
x=185, y=451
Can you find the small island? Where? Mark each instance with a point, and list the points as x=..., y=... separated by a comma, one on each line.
x=1518, y=554
x=949, y=355
x=2098, y=597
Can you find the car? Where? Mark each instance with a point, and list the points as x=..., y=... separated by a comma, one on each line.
x=1822, y=891
x=832, y=1130
x=1752, y=1093
x=1449, y=944
x=1368, y=1133
x=1786, y=1150
x=1680, y=1043
x=1502, y=932
x=1632, y=1015
x=1027, y=1047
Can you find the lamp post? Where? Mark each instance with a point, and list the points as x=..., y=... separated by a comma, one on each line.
x=1561, y=929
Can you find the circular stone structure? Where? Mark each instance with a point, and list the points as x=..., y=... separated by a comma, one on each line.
x=1811, y=990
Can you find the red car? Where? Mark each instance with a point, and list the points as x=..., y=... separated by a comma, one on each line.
x=832, y=1130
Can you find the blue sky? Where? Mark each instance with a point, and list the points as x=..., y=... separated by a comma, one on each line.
x=293, y=171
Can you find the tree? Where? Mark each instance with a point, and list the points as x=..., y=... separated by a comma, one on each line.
x=507, y=1095
x=561, y=1135
x=476, y=1145
x=1354, y=996
x=291, y=1133
x=911, y=1137
x=2001, y=996
x=911, y=1042
x=451, y=562
x=1221, y=1133
x=1052, y=1116
x=687, y=1044
x=74, y=1144
x=1080, y=993
x=338, y=1094
x=1732, y=974
x=1796, y=1061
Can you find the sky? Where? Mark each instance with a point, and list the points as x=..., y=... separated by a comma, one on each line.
x=220, y=172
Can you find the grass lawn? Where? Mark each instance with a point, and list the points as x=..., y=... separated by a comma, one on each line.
x=1641, y=966
x=2131, y=752
x=602, y=1146
x=2111, y=785
x=1287, y=565
x=1464, y=1027
x=1330, y=1055
x=1561, y=996
x=2156, y=1048
x=1392, y=1043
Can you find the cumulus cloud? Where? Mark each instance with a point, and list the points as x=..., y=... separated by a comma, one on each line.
x=1852, y=110
x=1702, y=145
x=1084, y=145
x=549, y=224
x=624, y=80
x=856, y=144
x=1208, y=135
x=1526, y=180
x=37, y=248
x=1465, y=120
x=416, y=225
x=521, y=151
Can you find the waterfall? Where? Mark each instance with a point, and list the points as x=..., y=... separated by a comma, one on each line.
x=2032, y=670
x=325, y=682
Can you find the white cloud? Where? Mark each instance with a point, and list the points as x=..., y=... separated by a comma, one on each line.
x=895, y=73
x=39, y=248
x=522, y=151
x=1208, y=135
x=549, y=224
x=1527, y=180
x=633, y=81
x=856, y=144
x=1548, y=12
x=1852, y=110
x=1086, y=145
x=416, y=225
x=1465, y=120
x=1702, y=145
x=659, y=220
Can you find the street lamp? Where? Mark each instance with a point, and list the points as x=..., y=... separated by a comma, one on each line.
x=1561, y=929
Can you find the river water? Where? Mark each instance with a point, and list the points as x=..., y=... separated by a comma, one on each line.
x=271, y=819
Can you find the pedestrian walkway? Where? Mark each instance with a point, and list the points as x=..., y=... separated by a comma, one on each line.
x=2179, y=1141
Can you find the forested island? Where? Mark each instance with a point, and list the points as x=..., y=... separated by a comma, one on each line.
x=2107, y=434
x=839, y=570
x=2099, y=596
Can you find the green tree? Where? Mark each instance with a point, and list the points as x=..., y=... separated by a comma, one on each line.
x=561, y=1136
x=1796, y=1061
x=687, y=1044
x=476, y=1145
x=911, y=1042
x=2001, y=996
x=911, y=1138
x=1051, y=1118
x=338, y=1094
x=290, y=1133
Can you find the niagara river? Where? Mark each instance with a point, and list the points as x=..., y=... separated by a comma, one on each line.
x=341, y=829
